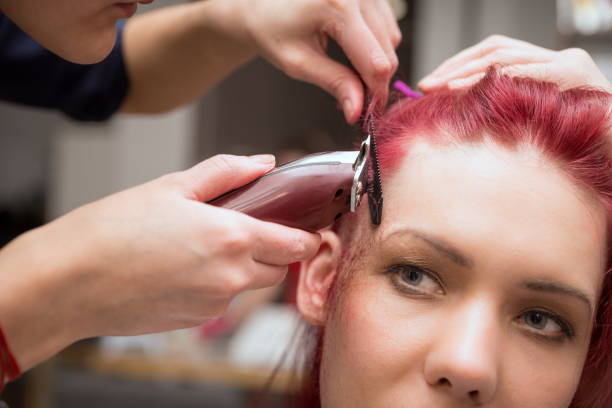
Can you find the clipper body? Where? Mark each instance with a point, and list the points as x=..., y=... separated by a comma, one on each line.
x=309, y=193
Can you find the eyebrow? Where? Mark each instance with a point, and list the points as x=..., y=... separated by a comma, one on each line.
x=539, y=285
x=438, y=243
x=557, y=288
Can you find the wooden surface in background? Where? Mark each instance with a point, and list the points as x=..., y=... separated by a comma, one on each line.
x=167, y=368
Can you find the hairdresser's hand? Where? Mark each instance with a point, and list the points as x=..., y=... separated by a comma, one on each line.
x=148, y=259
x=293, y=36
x=568, y=68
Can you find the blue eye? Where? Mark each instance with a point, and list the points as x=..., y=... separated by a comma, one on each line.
x=414, y=280
x=537, y=320
x=546, y=324
x=413, y=276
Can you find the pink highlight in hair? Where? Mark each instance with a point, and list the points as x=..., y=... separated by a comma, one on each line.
x=570, y=127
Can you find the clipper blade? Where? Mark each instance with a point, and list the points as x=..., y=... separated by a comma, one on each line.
x=374, y=187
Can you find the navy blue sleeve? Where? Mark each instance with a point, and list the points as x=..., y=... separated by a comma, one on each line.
x=31, y=75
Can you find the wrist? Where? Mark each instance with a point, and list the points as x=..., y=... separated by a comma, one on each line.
x=35, y=314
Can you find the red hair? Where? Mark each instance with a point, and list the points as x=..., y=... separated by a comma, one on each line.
x=569, y=127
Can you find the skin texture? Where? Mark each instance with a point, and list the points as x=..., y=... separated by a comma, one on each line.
x=175, y=54
x=460, y=336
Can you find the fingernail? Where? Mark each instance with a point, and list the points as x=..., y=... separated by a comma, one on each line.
x=263, y=159
x=347, y=107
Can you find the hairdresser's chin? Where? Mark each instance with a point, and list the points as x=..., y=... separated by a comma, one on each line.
x=82, y=31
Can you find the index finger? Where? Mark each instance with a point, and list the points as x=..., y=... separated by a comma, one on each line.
x=363, y=50
x=484, y=47
x=276, y=244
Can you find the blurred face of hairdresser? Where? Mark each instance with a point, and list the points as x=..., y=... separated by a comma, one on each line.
x=81, y=31
x=474, y=291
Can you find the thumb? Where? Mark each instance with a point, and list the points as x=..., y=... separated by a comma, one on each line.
x=223, y=172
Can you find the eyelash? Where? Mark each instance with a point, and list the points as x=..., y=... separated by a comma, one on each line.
x=567, y=331
x=396, y=272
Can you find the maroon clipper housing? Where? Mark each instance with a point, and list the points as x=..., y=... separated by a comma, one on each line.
x=309, y=193
x=312, y=192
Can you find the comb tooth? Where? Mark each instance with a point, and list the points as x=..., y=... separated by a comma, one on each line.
x=375, y=186
x=374, y=183
x=375, y=166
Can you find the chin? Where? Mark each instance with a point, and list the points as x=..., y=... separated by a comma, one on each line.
x=88, y=49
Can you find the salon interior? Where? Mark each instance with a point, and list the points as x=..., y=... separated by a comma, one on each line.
x=50, y=165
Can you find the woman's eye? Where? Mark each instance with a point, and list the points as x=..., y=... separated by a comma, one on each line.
x=414, y=280
x=545, y=324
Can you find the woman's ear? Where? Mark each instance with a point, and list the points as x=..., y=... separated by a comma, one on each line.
x=316, y=278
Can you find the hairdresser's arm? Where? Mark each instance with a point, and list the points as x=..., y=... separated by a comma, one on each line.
x=148, y=259
x=569, y=68
x=176, y=53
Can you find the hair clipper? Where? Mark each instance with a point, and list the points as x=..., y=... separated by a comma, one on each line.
x=312, y=192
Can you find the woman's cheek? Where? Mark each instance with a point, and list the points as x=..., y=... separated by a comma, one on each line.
x=534, y=375
x=374, y=346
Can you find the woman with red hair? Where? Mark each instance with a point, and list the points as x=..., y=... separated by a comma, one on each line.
x=488, y=281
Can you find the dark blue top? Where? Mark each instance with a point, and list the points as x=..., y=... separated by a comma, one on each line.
x=31, y=75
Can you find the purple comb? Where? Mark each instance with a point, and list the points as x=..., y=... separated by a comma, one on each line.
x=406, y=90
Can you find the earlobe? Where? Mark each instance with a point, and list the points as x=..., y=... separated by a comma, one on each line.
x=316, y=278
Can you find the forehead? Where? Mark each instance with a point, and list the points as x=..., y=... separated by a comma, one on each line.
x=506, y=209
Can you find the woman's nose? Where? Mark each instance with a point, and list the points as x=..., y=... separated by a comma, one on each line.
x=464, y=360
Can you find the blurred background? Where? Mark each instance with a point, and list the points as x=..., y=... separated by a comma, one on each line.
x=49, y=165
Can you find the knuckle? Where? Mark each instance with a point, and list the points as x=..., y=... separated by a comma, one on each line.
x=234, y=283
x=495, y=56
x=292, y=63
x=381, y=66
x=490, y=44
x=220, y=291
x=578, y=53
x=396, y=38
x=177, y=182
x=336, y=28
x=222, y=162
x=394, y=62
x=175, y=179
x=335, y=85
x=235, y=240
x=495, y=39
